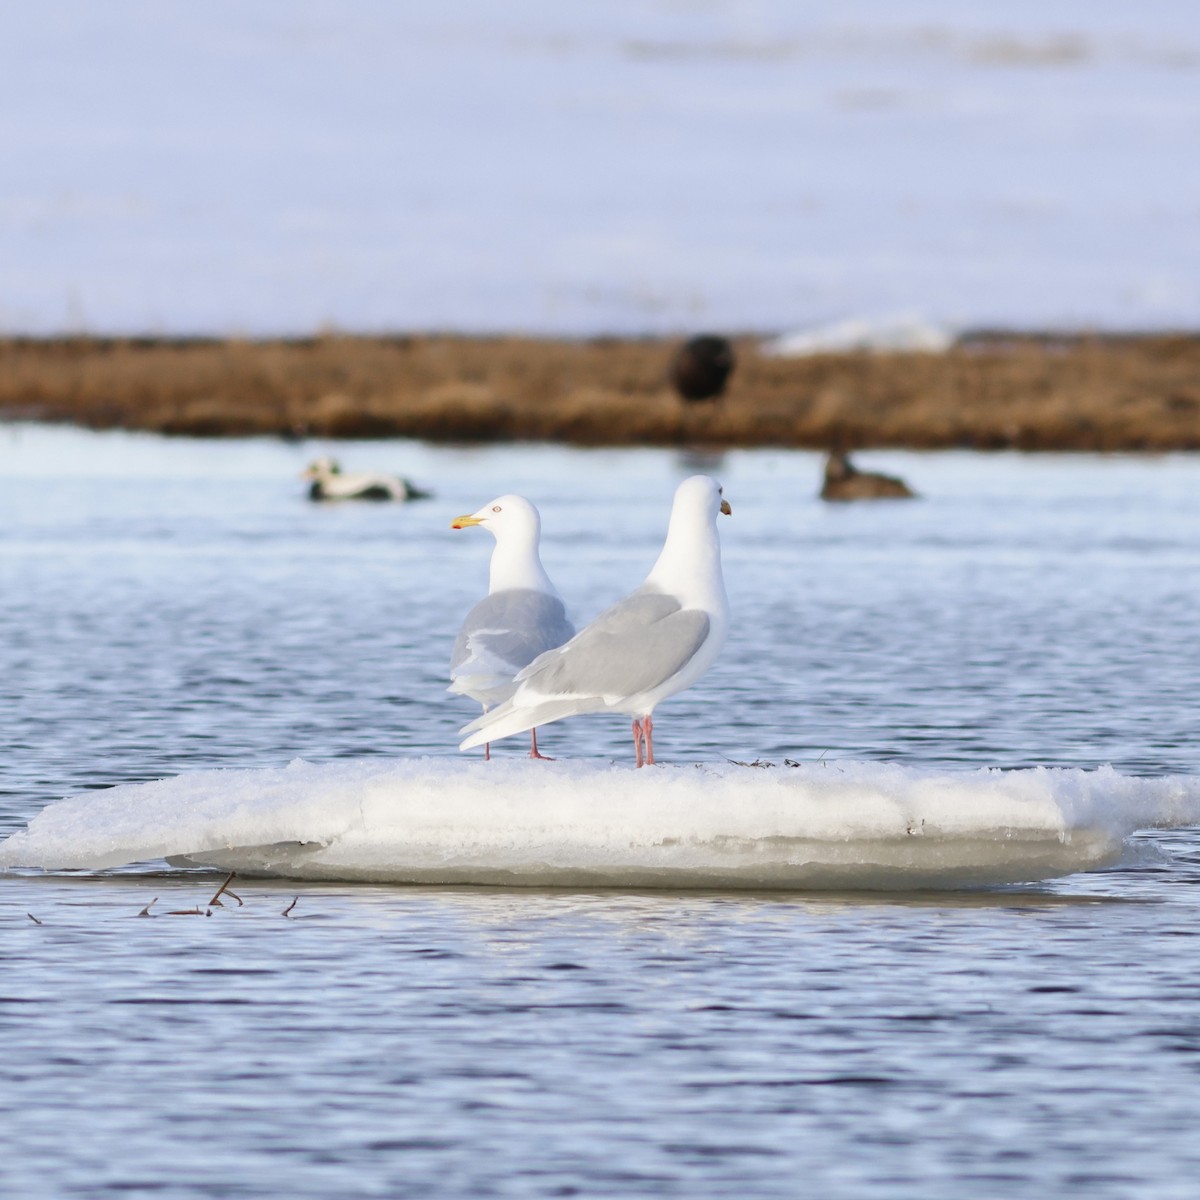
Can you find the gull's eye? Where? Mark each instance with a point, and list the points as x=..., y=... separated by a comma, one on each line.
x=495, y=508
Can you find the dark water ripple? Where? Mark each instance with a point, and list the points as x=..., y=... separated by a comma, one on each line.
x=173, y=606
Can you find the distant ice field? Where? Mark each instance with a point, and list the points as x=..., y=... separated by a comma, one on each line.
x=631, y=167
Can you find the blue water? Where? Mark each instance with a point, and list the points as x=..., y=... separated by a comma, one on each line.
x=173, y=605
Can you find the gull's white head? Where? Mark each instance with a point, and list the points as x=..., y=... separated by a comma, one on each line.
x=689, y=564
x=701, y=494
x=517, y=528
x=503, y=517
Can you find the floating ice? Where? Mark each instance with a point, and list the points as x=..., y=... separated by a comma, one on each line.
x=899, y=332
x=441, y=820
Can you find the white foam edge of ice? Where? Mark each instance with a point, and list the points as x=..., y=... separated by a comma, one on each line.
x=517, y=822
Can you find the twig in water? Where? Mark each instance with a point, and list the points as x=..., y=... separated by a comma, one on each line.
x=224, y=889
x=291, y=906
x=187, y=912
x=33, y=918
x=146, y=911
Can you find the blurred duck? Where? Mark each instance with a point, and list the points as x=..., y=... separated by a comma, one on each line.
x=844, y=481
x=327, y=482
x=701, y=368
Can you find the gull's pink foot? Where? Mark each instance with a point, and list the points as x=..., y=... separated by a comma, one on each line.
x=533, y=750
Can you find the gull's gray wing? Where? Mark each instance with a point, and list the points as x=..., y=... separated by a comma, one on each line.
x=633, y=646
x=508, y=629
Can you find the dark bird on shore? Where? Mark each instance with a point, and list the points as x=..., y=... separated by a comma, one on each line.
x=844, y=481
x=327, y=482
x=701, y=367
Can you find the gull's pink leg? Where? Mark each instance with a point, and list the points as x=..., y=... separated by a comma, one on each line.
x=637, y=740
x=487, y=746
x=533, y=750
x=648, y=733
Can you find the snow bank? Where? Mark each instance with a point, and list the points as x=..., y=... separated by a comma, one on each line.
x=898, y=333
x=441, y=820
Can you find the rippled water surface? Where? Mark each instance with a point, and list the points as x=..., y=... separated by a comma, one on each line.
x=173, y=605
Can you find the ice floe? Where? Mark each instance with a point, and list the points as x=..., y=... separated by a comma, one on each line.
x=516, y=822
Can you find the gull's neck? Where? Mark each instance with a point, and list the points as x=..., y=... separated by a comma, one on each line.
x=516, y=563
x=690, y=563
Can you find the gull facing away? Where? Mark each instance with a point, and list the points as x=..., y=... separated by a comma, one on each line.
x=521, y=616
x=657, y=641
x=329, y=482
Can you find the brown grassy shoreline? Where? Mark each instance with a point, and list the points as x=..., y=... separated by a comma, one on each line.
x=988, y=392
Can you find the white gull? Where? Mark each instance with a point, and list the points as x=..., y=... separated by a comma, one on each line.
x=521, y=616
